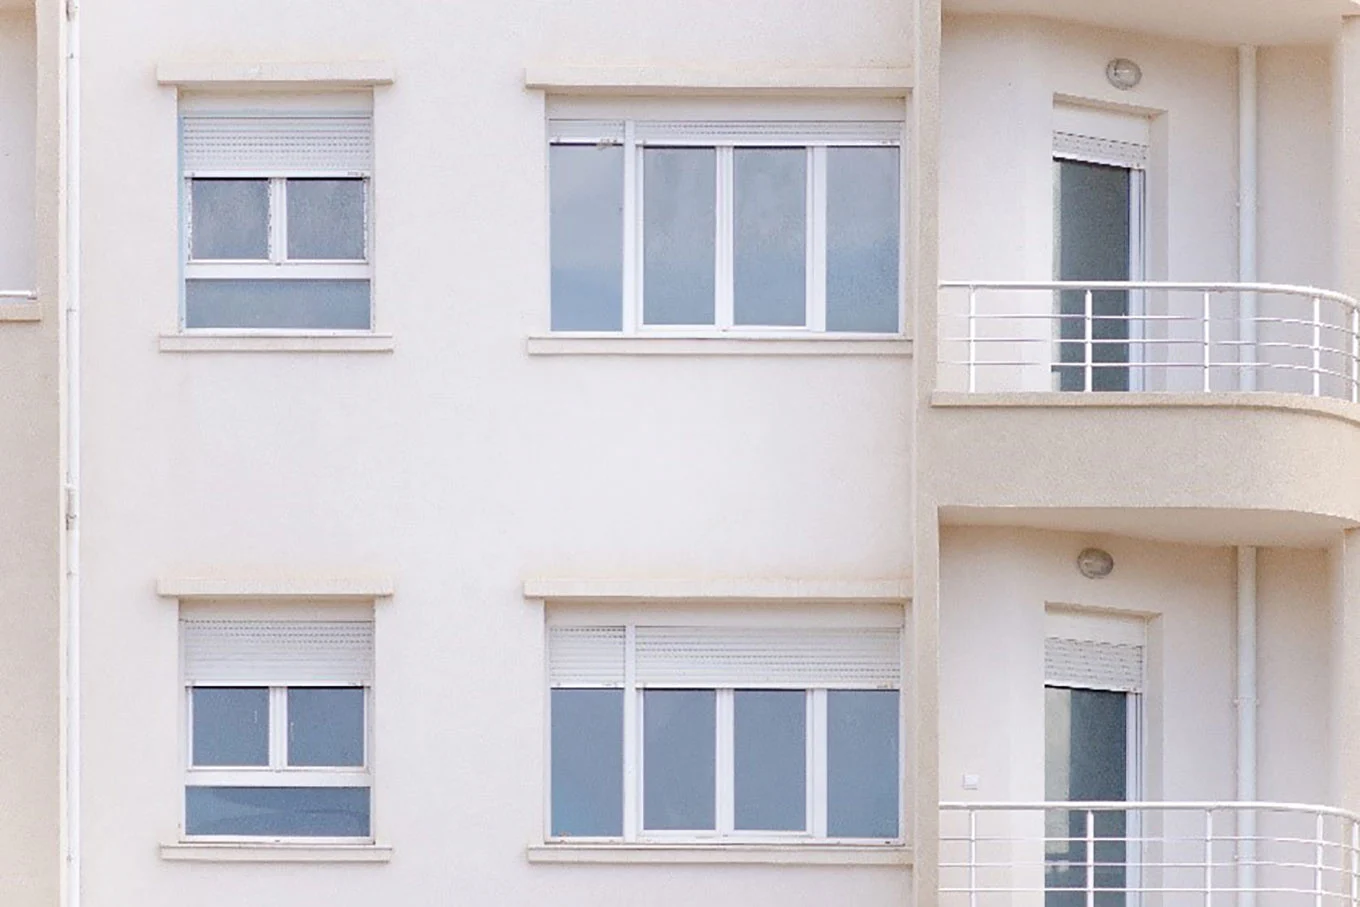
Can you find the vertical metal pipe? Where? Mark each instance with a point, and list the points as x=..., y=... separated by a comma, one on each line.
x=1320, y=861
x=1317, y=347
x=1247, y=182
x=972, y=858
x=1246, y=723
x=1204, y=336
x=1090, y=858
x=972, y=340
x=1355, y=355
x=1208, y=858
x=1090, y=346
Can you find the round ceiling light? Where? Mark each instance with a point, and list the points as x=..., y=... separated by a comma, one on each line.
x=1123, y=74
x=1095, y=563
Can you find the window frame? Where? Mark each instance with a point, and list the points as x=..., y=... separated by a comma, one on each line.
x=571, y=130
x=278, y=266
x=633, y=830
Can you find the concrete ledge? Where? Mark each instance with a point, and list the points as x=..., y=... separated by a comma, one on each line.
x=327, y=588
x=1331, y=407
x=207, y=342
x=20, y=311
x=334, y=74
x=566, y=78
x=620, y=345
x=275, y=853
x=604, y=591
x=754, y=854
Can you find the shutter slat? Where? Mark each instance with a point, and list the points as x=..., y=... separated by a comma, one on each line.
x=1091, y=665
x=769, y=658
x=278, y=652
x=1095, y=150
x=585, y=130
x=585, y=656
x=277, y=144
x=793, y=132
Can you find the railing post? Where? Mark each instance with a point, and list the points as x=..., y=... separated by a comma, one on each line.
x=1317, y=346
x=1204, y=336
x=1208, y=858
x=972, y=858
x=1355, y=355
x=1321, y=861
x=1355, y=863
x=1090, y=845
x=972, y=340
x=1090, y=346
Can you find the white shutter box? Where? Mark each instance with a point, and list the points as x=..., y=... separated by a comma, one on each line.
x=769, y=132
x=277, y=145
x=1094, y=150
x=585, y=131
x=788, y=658
x=278, y=652
x=585, y=656
x=1090, y=665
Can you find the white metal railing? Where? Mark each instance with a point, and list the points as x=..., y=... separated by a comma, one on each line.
x=1148, y=854
x=1148, y=336
x=17, y=296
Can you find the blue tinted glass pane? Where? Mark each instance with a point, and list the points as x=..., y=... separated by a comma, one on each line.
x=230, y=220
x=587, y=762
x=679, y=759
x=325, y=726
x=862, y=238
x=326, y=219
x=231, y=726
x=771, y=760
x=770, y=236
x=280, y=304
x=679, y=187
x=586, y=224
x=862, y=763
x=316, y=812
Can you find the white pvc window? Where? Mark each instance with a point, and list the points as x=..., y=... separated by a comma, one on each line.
x=276, y=219
x=745, y=227
x=278, y=729
x=724, y=733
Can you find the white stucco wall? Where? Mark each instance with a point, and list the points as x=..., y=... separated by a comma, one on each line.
x=457, y=464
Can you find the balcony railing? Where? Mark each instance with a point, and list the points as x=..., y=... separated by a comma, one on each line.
x=1148, y=336
x=1148, y=854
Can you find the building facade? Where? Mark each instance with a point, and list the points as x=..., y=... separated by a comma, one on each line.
x=636, y=453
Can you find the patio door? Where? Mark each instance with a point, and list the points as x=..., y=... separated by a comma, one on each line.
x=1098, y=204
x=1092, y=752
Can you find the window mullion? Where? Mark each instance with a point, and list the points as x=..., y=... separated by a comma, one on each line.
x=278, y=220
x=725, y=765
x=278, y=728
x=632, y=740
x=816, y=270
x=724, y=278
x=817, y=770
x=632, y=229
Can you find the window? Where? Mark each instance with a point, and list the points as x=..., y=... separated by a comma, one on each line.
x=747, y=227
x=276, y=213
x=278, y=718
x=659, y=733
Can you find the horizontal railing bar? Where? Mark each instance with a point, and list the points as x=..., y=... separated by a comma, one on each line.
x=1098, y=285
x=1151, y=806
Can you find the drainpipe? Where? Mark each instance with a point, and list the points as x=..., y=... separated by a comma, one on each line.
x=72, y=729
x=1246, y=723
x=1246, y=210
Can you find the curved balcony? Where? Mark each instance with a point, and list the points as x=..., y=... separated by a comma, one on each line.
x=1168, y=853
x=1130, y=405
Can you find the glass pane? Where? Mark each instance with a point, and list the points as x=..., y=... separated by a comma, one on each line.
x=770, y=236
x=679, y=758
x=1086, y=756
x=862, y=764
x=771, y=760
x=326, y=219
x=587, y=762
x=279, y=304
x=325, y=726
x=1093, y=243
x=586, y=222
x=231, y=726
x=230, y=219
x=678, y=235
x=863, y=214
x=329, y=812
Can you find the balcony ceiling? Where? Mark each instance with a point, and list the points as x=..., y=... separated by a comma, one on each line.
x=1212, y=21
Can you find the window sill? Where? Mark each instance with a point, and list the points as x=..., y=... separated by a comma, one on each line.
x=247, y=852
x=621, y=345
x=751, y=854
x=208, y=342
x=20, y=311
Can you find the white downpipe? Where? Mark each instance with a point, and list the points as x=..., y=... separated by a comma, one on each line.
x=1247, y=178
x=1246, y=723
x=72, y=728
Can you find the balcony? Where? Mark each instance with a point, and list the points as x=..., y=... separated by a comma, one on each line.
x=1155, y=854
x=1149, y=408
